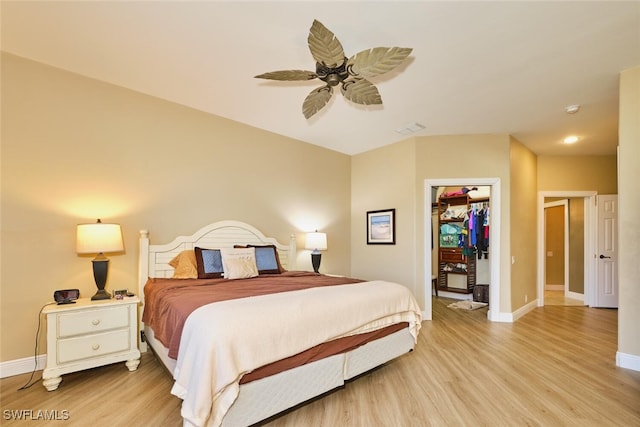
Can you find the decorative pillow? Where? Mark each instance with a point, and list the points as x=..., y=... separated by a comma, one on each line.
x=248, y=255
x=209, y=263
x=267, y=259
x=184, y=265
x=240, y=268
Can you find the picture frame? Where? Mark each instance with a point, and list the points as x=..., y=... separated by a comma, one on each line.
x=381, y=227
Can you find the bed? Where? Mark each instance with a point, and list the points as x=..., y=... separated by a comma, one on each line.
x=234, y=359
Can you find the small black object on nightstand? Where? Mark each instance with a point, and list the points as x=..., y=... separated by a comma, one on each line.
x=66, y=296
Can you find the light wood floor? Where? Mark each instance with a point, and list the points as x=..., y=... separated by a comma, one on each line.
x=553, y=367
x=558, y=298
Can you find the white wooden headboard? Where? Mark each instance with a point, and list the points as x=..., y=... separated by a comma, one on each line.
x=154, y=259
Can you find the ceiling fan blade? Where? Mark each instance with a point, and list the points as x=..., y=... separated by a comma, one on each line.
x=325, y=47
x=316, y=100
x=288, y=75
x=376, y=61
x=361, y=91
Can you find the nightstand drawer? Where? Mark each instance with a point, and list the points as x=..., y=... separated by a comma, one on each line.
x=91, y=321
x=79, y=348
x=451, y=255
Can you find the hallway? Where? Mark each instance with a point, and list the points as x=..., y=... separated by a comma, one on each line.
x=558, y=298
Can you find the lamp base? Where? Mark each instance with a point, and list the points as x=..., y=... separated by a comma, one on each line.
x=100, y=269
x=101, y=294
x=315, y=261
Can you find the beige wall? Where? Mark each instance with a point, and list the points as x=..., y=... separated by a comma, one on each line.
x=578, y=173
x=394, y=177
x=75, y=149
x=385, y=179
x=523, y=233
x=629, y=205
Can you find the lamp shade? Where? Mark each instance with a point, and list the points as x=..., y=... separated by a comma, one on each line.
x=99, y=238
x=316, y=241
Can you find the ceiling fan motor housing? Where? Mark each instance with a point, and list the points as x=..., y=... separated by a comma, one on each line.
x=332, y=75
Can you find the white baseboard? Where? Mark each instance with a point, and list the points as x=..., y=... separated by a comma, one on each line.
x=525, y=309
x=495, y=316
x=628, y=361
x=548, y=287
x=22, y=366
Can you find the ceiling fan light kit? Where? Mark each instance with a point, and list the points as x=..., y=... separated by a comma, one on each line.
x=334, y=68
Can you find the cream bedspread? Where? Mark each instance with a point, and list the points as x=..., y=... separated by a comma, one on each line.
x=223, y=341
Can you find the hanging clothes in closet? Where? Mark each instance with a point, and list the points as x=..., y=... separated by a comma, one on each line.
x=476, y=231
x=482, y=237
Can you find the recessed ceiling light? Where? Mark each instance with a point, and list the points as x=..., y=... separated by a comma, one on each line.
x=571, y=139
x=572, y=109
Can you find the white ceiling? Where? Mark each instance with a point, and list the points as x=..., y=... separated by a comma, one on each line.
x=476, y=67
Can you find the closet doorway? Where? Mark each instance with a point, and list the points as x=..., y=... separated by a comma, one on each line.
x=430, y=187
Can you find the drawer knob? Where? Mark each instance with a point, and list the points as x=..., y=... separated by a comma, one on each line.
x=95, y=322
x=95, y=346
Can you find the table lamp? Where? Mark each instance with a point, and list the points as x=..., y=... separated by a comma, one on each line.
x=99, y=238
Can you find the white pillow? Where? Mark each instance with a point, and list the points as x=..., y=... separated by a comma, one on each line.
x=239, y=263
x=240, y=268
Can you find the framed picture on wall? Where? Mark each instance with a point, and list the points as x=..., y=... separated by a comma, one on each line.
x=381, y=227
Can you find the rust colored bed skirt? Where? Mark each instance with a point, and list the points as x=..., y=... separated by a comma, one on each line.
x=341, y=345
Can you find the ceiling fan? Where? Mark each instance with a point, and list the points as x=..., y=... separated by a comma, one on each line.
x=333, y=68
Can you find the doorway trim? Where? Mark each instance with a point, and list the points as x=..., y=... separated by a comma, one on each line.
x=494, y=313
x=589, y=240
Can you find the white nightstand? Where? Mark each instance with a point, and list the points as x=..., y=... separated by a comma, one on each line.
x=88, y=334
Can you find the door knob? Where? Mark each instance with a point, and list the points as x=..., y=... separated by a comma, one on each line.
x=603, y=257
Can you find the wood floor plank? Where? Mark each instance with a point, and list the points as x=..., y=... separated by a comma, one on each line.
x=553, y=367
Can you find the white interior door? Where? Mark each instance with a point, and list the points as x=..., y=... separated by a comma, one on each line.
x=607, y=283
